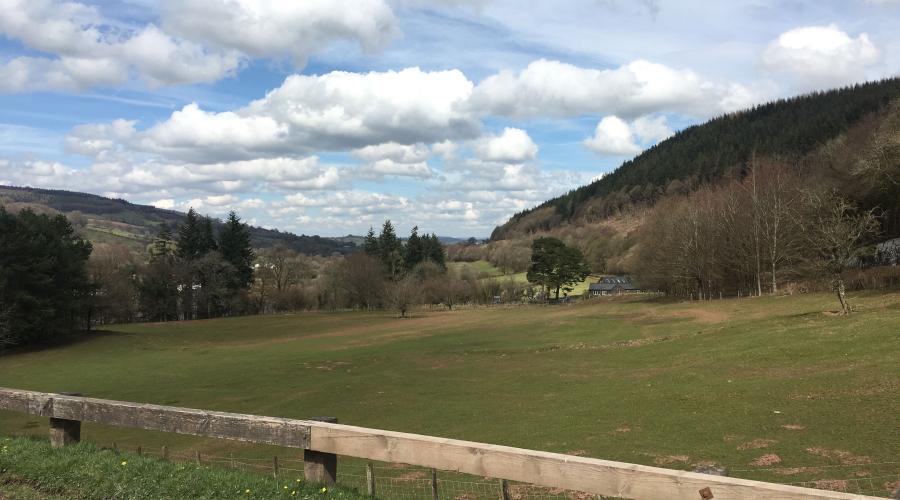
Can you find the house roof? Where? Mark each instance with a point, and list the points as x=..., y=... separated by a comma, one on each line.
x=611, y=282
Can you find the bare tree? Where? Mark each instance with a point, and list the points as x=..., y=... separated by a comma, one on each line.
x=835, y=233
x=363, y=279
x=403, y=294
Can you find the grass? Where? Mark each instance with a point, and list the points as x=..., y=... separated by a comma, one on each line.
x=630, y=379
x=31, y=469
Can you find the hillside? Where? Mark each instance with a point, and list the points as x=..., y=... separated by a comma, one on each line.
x=105, y=220
x=788, y=129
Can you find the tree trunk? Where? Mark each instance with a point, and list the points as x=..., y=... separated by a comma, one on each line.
x=842, y=296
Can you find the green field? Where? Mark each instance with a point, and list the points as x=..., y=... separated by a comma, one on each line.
x=738, y=383
x=486, y=270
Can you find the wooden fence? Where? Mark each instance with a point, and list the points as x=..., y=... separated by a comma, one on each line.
x=323, y=441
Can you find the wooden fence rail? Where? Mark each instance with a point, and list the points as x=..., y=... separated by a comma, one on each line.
x=323, y=441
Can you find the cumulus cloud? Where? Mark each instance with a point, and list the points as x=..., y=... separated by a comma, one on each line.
x=281, y=28
x=337, y=111
x=200, y=41
x=90, y=50
x=556, y=89
x=818, y=56
x=514, y=145
x=614, y=136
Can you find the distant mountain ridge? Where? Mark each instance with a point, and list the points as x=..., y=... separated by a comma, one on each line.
x=787, y=129
x=118, y=221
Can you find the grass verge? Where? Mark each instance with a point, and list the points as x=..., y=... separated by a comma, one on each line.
x=30, y=468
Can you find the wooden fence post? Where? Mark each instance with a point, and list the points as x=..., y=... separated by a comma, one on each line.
x=165, y=452
x=320, y=467
x=198, y=457
x=275, y=466
x=434, y=489
x=504, y=489
x=370, y=479
x=64, y=432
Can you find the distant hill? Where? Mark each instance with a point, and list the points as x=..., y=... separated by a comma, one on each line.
x=787, y=129
x=118, y=221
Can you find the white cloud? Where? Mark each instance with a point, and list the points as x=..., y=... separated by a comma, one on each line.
x=553, y=88
x=295, y=29
x=513, y=145
x=614, y=136
x=90, y=50
x=556, y=89
x=818, y=56
x=166, y=203
x=402, y=153
x=336, y=111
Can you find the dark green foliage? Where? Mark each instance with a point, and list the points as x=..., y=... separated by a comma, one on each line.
x=555, y=266
x=190, y=237
x=235, y=247
x=390, y=249
x=787, y=128
x=44, y=288
x=434, y=250
x=414, y=252
x=370, y=244
x=85, y=472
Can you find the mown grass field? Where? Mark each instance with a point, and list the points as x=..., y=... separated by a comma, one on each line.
x=775, y=388
x=489, y=271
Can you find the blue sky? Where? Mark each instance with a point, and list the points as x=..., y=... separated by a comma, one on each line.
x=328, y=116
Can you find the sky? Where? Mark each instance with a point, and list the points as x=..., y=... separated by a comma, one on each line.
x=330, y=116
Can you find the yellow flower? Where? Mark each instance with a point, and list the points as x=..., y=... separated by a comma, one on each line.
x=285, y=486
x=247, y=491
x=324, y=489
x=294, y=492
x=124, y=463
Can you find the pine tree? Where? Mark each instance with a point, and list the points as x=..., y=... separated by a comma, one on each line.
x=189, y=237
x=207, y=237
x=370, y=245
x=162, y=245
x=390, y=250
x=414, y=253
x=234, y=244
x=434, y=250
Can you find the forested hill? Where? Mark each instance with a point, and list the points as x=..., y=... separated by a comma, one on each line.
x=788, y=128
x=118, y=221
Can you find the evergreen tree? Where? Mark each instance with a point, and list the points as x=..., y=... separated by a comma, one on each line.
x=190, y=245
x=234, y=244
x=390, y=250
x=207, y=237
x=555, y=266
x=44, y=286
x=370, y=244
x=434, y=250
x=414, y=253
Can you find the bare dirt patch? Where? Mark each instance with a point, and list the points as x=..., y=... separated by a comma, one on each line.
x=845, y=457
x=766, y=460
x=671, y=459
x=757, y=444
x=623, y=429
x=577, y=453
x=793, y=427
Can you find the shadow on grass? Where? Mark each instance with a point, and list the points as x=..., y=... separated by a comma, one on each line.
x=60, y=342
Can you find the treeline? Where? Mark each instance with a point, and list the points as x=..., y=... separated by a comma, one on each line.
x=753, y=235
x=698, y=155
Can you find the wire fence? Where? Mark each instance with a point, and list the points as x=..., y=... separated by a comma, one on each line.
x=401, y=482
